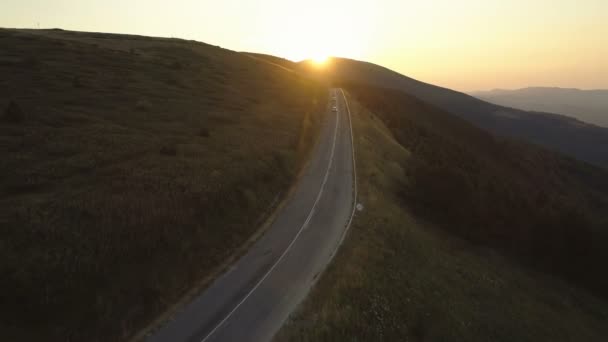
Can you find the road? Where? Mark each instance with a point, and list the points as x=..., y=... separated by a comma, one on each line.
x=255, y=296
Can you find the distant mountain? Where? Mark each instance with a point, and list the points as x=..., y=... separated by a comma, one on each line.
x=557, y=132
x=586, y=105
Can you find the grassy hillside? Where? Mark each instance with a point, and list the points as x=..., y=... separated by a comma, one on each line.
x=131, y=168
x=286, y=63
x=400, y=276
x=584, y=141
x=534, y=204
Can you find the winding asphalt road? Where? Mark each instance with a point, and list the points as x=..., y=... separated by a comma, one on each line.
x=255, y=296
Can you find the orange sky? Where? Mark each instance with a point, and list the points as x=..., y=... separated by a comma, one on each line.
x=465, y=45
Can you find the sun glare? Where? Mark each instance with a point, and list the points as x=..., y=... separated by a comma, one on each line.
x=320, y=59
x=337, y=31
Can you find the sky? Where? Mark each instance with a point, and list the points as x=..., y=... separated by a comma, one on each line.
x=465, y=45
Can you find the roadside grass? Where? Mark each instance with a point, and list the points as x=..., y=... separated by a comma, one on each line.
x=131, y=168
x=398, y=278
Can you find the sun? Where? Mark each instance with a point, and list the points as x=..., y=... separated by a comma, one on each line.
x=335, y=32
x=319, y=59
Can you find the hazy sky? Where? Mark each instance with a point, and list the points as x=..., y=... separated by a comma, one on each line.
x=465, y=45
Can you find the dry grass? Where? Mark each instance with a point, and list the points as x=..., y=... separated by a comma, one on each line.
x=137, y=165
x=397, y=278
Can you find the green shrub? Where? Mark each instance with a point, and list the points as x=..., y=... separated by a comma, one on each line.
x=77, y=82
x=13, y=113
x=204, y=132
x=169, y=150
x=143, y=105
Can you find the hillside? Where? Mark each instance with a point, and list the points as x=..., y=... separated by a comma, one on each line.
x=524, y=200
x=585, y=142
x=132, y=168
x=586, y=105
x=463, y=237
x=286, y=63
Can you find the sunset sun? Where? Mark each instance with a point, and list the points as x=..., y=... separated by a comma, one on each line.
x=319, y=59
x=261, y=170
x=315, y=34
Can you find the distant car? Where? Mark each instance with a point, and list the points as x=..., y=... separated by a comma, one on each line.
x=334, y=109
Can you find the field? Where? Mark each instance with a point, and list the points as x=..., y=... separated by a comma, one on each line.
x=132, y=167
x=402, y=275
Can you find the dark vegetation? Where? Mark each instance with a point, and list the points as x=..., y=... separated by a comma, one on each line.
x=131, y=168
x=13, y=113
x=556, y=132
x=546, y=210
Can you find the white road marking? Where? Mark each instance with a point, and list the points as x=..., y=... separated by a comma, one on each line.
x=352, y=142
x=312, y=210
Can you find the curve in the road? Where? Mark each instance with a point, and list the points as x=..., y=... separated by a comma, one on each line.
x=252, y=300
x=295, y=238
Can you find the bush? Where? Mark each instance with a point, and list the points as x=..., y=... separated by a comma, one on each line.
x=76, y=82
x=30, y=62
x=13, y=113
x=143, y=105
x=204, y=132
x=169, y=150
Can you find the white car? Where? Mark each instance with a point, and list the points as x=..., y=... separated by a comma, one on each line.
x=334, y=109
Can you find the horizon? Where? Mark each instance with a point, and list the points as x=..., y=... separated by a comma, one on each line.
x=274, y=170
x=499, y=46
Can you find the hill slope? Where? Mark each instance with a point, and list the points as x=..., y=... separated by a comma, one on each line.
x=566, y=135
x=516, y=197
x=131, y=168
x=586, y=105
x=437, y=192
x=285, y=63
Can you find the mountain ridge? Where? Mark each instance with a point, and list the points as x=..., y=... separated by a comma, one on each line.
x=587, y=105
x=585, y=142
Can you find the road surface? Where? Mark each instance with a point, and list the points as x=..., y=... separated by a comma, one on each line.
x=255, y=296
